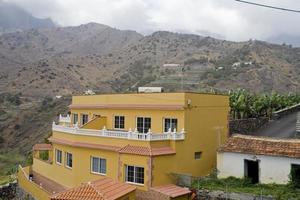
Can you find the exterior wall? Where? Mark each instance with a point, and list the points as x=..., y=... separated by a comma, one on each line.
x=206, y=128
x=205, y=113
x=30, y=187
x=271, y=169
x=81, y=170
x=96, y=123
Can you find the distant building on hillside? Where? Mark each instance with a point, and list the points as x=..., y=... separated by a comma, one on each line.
x=263, y=160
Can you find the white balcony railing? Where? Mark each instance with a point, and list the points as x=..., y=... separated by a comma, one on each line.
x=64, y=119
x=130, y=135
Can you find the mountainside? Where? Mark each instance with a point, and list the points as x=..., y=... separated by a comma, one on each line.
x=14, y=18
x=38, y=64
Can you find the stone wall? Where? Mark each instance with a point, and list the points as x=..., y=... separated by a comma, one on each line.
x=8, y=191
x=220, y=195
x=12, y=191
x=246, y=126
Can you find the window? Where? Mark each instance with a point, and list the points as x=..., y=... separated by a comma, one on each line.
x=75, y=118
x=170, y=123
x=119, y=122
x=58, y=156
x=69, y=160
x=84, y=119
x=198, y=155
x=98, y=165
x=134, y=174
x=143, y=124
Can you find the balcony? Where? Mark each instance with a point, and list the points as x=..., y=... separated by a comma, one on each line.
x=129, y=135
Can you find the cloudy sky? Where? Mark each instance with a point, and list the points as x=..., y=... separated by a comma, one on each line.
x=226, y=19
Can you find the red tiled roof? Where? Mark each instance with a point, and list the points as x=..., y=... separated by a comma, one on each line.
x=262, y=146
x=128, y=149
x=138, y=150
x=127, y=106
x=83, y=144
x=162, y=151
x=172, y=190
x=146, y=151
x=102, y=189
x=42, y=147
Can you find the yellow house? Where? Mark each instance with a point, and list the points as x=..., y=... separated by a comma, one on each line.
x=146, y=140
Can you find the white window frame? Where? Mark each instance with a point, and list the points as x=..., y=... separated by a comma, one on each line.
x=67, y=159
x=114, y=118
x=100, y=158
x=81, y=118
x=75, y=114
x=136, y=123
x=172, y=128
x=56, y=156
x=134, y=174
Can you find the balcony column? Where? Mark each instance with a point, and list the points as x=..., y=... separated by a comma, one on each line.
x=129, y=135
x=103, y=131
x=174, y=134
x=148, y=135
x=169, y=133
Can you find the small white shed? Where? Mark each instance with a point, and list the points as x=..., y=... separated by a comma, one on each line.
x=263, y=160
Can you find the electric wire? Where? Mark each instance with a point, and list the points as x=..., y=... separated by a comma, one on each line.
x=268, y=6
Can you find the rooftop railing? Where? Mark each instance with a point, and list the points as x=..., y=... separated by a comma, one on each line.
x=130, y=134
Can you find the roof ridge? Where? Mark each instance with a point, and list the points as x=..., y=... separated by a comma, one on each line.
x=265, y=138
x=97, y=191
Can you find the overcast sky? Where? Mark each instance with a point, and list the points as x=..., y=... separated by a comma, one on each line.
x=226, y=19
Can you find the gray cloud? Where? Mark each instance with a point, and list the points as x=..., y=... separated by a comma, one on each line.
x=227, y=19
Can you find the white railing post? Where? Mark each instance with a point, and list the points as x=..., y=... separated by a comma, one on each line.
x=129, y=135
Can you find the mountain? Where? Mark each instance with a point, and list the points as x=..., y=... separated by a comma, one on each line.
x=38, y=64
x=13, y=18
x=286, y=39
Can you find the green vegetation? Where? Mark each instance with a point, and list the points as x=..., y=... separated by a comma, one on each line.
x=236, y=185
x=8, y=166
x=246, y=105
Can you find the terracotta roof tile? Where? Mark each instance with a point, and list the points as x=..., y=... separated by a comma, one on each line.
x=162, y=151
x=172, y=190
x=138, y=150
x=83, y=144
x=102, y=189
x=128, y=149
x=262, y=146
x=42, y=147
x=146, y=151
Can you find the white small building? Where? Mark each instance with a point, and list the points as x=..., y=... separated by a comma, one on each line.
x=264, y=160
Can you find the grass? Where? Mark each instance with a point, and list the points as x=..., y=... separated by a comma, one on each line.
x=8, y=166
x=236, y=185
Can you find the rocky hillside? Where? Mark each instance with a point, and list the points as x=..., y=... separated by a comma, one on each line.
x=38, y=64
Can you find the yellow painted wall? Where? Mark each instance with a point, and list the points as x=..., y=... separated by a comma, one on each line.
x=202, y=118
x=95, y=123
x=30, y=187
x=81, y=170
